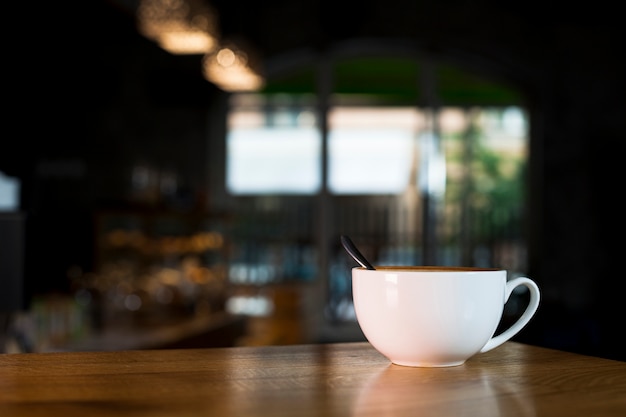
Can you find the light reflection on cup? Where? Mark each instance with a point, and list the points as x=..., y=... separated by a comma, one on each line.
x=399, y=390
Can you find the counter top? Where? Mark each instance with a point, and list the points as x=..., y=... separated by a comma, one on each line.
x=341, y=379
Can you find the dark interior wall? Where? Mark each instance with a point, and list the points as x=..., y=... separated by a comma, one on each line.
x=96, y=99
x=577, y=231
x=84, y=116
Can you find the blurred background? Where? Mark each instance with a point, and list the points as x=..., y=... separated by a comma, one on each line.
x=177, y=173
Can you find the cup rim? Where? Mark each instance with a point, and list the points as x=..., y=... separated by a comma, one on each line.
x=428, y=268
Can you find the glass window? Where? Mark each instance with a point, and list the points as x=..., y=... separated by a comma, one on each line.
x=410, y=184
x=273, y=161
x=273, y=146
x=371, y=149
x=9, y=193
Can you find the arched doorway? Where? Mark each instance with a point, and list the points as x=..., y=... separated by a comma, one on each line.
x=416, y=158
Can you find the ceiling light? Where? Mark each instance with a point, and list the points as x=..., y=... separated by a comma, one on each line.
x=179, y=26
x=231, y=70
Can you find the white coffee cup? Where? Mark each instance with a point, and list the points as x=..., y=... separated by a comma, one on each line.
x=436, y=316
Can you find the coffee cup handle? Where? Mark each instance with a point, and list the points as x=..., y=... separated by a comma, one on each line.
x=531, y=308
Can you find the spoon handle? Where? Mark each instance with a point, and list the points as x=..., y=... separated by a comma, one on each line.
x=351, y=248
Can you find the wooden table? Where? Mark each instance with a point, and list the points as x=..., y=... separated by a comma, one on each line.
x=344, y=379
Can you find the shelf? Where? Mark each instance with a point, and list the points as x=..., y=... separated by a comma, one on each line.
x=215, y=330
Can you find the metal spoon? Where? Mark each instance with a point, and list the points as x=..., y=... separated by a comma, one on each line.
x=355, y=253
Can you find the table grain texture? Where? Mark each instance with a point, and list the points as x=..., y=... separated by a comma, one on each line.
x=341, y=379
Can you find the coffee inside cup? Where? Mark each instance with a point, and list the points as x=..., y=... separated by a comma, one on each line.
x=433, y=268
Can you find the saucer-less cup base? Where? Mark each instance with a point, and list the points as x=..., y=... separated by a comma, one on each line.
x=435, y=316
